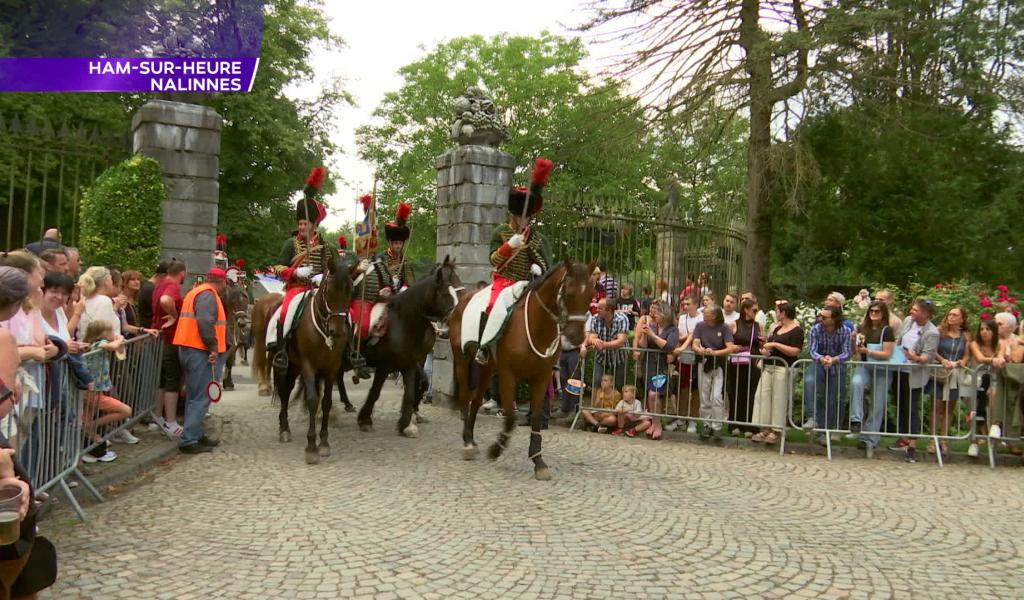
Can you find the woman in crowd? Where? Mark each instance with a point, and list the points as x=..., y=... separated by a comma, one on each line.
x=1005, y=409
x=785, y=341
x=712, y=343
x=127, y=302
x=707, y=299
x=29, y=564
x=948, y=383
x=742, y=376
x=34, y=348
x=874, y=343
x=97, y=286
x=986, y=351
x=657, y=334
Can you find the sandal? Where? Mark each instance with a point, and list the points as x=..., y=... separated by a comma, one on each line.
x=771, y=438
x=757, y=438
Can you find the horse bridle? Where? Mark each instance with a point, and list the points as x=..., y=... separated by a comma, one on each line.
x=562, y=319
x=328, y=339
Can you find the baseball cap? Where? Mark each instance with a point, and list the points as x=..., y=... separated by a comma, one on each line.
x=216, y=273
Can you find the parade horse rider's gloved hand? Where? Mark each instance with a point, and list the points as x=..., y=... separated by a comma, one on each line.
x=517, y=241
x=303, y=272
x=317, y=279
x=536, y=270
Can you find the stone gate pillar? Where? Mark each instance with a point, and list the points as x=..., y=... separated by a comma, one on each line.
x=185, y=140
x=473, y=180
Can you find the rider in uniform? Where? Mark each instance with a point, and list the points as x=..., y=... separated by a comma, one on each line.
x=378, y=279
x=304, y=257
x=518, y=252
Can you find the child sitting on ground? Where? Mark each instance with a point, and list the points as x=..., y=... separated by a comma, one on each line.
x=605, y=398
x=627, y=414
x=99, y=408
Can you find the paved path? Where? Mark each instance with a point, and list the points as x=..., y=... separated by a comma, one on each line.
x=390, y=517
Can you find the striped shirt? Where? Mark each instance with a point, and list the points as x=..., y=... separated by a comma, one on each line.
x=835, y=344
x=608, y=331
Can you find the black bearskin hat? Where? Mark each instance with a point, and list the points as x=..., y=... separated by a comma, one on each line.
x=309, y=207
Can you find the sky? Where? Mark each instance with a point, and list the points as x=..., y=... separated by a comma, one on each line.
x=385, y=35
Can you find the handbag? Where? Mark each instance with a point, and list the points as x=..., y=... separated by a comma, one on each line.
x=897, y=356
x=943, y=375
x=743, y=358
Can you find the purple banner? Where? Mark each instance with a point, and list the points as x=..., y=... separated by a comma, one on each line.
x=127, y=74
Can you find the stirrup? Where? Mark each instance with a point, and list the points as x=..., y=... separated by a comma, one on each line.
x=482, y=356
x=280, y=360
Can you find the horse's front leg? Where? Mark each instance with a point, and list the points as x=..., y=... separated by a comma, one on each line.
x=309, y=389
x=472, y=406
x=538, y=388
x=283, y=381
x=365, y=418
x=406, y=426
x=342, y=392
x=421, y=390
x=325, y=406
x=229, y=384
x=507, y=398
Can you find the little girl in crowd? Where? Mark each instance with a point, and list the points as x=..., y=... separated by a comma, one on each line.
x=99, y=408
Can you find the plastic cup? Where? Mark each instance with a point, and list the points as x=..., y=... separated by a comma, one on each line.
x=10, y=519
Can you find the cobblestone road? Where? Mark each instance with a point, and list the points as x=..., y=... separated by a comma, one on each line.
x=390, y=517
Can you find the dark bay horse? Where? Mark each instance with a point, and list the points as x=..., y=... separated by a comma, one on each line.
x=407, y=341
x=315, y=351
x=236, y=305
x=556, y=304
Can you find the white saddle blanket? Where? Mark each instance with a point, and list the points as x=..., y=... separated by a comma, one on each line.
x=290, y=320
x=495, y=321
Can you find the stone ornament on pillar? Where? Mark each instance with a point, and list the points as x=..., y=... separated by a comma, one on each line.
x=477, y=120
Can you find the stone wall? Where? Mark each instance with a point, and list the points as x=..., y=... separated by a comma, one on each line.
x=185, y=140
x=472, y=198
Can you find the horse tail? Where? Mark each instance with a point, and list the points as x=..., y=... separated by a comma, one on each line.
x=260, y=366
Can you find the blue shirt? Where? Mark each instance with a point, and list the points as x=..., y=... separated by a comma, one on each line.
x=607, y=332
x=835, y=344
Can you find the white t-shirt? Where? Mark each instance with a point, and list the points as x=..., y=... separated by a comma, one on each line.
x=911, y=336
x=62, y=325
x=636, y=407
x=731, y=318
x=687, y=324
x=99, y=307
x=762, y=320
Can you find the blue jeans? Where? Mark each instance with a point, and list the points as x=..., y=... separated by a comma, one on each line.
x=198, y=372
x=823, y=395
x=879, y=378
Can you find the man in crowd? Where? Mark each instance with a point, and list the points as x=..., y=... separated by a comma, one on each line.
x=166, y=306
x=201, y=341
x=729, y=309
x=606, y=335
x=824, y=381
x=895, y=322
x=837, y=300
x=146, y=294
x=760, y=318
x=51, y=239
x=55, y=260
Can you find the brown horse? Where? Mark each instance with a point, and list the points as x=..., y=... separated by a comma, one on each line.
x=556, y=304
x=314, y=352
x=236, y=305
x=262, y=309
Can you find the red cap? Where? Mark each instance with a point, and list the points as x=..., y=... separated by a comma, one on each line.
x=216, y=273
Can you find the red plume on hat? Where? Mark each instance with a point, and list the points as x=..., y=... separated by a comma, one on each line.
x=517, y=197
x=366, y=200
x=222, y=242
x=315, y=181
x=398, y=230
x=342, y=242
x=240, y=263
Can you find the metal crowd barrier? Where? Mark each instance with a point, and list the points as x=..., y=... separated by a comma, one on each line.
x=829, y=401
x=48, y=427
x=1004, y=400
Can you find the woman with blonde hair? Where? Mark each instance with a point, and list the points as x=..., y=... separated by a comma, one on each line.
x=96, y=285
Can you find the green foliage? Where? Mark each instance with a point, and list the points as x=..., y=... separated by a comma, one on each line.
x=594, y=134
x=120, y=223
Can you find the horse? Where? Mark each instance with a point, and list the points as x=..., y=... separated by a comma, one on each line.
x=236, y=305
x=314, y=352
x=407, y=341
x=558, y=303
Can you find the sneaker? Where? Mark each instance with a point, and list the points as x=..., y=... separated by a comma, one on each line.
x=154, y=427
x=855, y=428
x=910, y=458
x=490, y=405
x=692, y=427
x=209, y=442
x=972, y=450
x=195, y=449
x=735, y=432
x=631, y=432
x=108, y=456
x=172, y=430
x=809, y=424
x=705, y=432
x=673, y=425
x=124, y=436
x=602, y=429
x=995, y=432
x=900, y=445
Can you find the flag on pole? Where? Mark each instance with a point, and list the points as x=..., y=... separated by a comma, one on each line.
x=366, y=229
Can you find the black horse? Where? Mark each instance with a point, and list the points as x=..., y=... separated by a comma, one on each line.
x=407, y=341
x=236, y=305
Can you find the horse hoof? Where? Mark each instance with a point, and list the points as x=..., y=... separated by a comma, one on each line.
x=245, y=363
x=285, y=436
x=494, y=452
x=470, y=452
x=263, y=392
x=229, y=387
x=542, y=474
x=365, y=427
x=312, y=458
x=411, y=431
x=350, y=408
x=421, y=420
x=324, y=451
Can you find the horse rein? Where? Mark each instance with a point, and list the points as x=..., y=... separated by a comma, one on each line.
x=561, y=319
x=330, y=313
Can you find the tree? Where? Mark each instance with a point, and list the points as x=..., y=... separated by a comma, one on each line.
x=591, y=130
x=696, y=52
